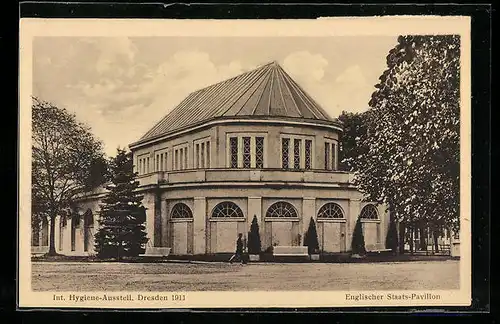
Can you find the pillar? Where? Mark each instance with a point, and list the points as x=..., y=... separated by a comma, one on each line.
x=164, y=223
x=308, y=211
x=57, y=231
x=149, y=203
x=255, y=209
x=78, y=235
x=67, y=237
x=199, y=224
x=158, y=231
x=383, y=225
x=352, y=217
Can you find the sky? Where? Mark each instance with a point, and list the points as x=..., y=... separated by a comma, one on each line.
x=122, y=86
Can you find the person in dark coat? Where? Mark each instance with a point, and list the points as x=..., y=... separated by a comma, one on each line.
x=239, y=250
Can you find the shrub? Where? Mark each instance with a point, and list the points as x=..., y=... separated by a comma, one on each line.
x=254, y=244
x=311, y=238
x=358, y=239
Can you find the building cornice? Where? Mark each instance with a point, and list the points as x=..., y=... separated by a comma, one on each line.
x=228, y=184
x=332, y=125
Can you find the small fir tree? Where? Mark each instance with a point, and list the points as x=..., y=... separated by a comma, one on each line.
x=122, y=217
x=254, y=244
x=391, y=241
x=358, y=239
x=311, y=238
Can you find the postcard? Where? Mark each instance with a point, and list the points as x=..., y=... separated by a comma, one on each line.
x=170, y=164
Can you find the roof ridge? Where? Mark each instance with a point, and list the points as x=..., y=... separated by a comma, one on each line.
x=236, y=76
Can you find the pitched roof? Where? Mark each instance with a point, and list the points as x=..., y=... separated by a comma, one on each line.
x=264, y=91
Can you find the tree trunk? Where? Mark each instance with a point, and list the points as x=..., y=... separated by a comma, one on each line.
x=401, y=240
x=52, y=236
x=412, y=241
x=423, y=241
x=436, y=245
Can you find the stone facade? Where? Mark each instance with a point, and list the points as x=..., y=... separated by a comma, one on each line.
x=254, y=145
x=254, y=191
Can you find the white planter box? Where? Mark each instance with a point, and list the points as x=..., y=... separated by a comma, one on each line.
x=357, y=256
x=314, y=257
x=157, y=251
x=455, y=249
x=254, y=257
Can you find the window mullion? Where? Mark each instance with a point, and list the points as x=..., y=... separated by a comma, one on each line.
x=252, y=152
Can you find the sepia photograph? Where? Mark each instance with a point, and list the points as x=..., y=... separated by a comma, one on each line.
x=318, y=164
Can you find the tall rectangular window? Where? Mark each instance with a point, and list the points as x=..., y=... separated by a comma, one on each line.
x=202, y=155
x=246, y=152
x=161, y=163
x=157, y=162
x=259, y=152
x=334, y=156
x=327, y=156
x=176, y=163
x=296, y=153
x=233, y=142
x=165, y=161
x=208, y=155
x=185, y=158
x=181, y=159
x=147, y=165
x=197, y=155
x=285, y=144
x=307, y=152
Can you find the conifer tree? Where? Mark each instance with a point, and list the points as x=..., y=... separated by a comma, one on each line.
x=358, y=239
x=122, y=216
x=254, y=244
x=311, y=238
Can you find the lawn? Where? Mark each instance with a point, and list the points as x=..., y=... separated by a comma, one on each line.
x=80, y=276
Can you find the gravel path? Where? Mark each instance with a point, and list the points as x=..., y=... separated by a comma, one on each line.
x=81, y=276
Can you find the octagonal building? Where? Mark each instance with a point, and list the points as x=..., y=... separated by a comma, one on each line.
x=256, y=145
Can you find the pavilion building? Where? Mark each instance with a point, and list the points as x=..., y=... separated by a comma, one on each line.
x=253, y=145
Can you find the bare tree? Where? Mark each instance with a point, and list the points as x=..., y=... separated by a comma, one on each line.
x=66, y=160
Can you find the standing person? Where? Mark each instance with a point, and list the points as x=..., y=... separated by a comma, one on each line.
x=239, y=249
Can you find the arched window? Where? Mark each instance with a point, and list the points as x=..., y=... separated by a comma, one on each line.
x=330, y=210
x=369, y=212
x=227, y=209
x=281, y=209
x=181, y=210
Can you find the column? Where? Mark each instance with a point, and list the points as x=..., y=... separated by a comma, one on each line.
x=274, y=148
x=253, y=148
x=199, y=224
x=57, y=230
x=384, y=222
x=79, y=236
x=240, y=151
x=319, y=152
x=149, y=203
x=351, y=217
x=164, y=223
x=255, y=209
x=67, y=236
x=157, y=221
x=308, y=211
